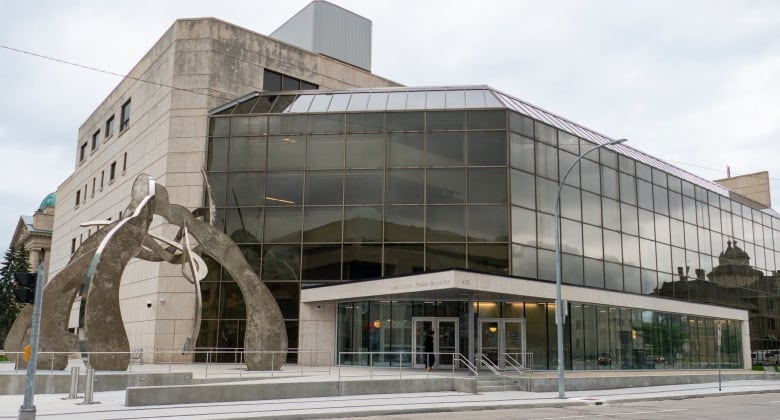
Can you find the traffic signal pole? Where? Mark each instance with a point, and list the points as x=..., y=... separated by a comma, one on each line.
x=27, y=410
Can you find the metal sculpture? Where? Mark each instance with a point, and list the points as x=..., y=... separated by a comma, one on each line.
x=96, y=268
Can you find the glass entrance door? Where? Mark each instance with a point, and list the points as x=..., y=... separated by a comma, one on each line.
x=445, y=340
x=502, y=340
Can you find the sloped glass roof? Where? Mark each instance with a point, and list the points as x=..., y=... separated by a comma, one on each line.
x=435, y=98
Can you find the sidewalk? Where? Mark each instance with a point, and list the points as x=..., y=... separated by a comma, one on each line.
x=111, y=404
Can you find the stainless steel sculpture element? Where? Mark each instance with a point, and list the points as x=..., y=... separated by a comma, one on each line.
x=96, y=270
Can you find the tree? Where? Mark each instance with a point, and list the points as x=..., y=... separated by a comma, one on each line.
x=15, y=261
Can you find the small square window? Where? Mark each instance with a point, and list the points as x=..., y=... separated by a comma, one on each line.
x=125, y=116
x=78, y=198
x=112, y=172
x=82, y=152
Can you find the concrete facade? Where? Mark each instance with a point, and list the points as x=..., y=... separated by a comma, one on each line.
x=753, y=186
x=196, y=65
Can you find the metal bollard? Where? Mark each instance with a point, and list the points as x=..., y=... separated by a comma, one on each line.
x=89, y=387
x=74, y=382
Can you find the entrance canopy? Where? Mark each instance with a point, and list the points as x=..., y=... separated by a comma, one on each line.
x=466, y=285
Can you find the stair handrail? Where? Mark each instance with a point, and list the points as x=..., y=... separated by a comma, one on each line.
x=463, y=359
x=512, y=362
x=485, y=361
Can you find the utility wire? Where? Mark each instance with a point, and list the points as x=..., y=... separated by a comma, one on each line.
x=226, y=95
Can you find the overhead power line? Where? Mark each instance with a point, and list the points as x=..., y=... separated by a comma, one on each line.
x=125, y=76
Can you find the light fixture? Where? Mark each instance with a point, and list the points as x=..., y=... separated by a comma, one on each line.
x=492, y=328
x=377, y=323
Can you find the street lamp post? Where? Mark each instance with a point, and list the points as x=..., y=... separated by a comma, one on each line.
x=558, y=301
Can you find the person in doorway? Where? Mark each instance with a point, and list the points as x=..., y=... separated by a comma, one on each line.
x=430, y=358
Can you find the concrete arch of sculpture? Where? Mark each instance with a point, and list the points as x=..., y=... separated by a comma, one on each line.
x=96, y=269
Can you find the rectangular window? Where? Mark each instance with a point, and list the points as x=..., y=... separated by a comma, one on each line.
x=73, y=245
x=78, y=198
x=82, y=152
x=85, y=193
x=94, y=182
x=102, y=179
x=125, y=116
x=110, y=127
x=112, y=172
x=95, y=140
x=124, y=164
x=770, y=324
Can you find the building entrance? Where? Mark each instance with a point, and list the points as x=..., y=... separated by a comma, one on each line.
x=502, y=341
x=445, y=340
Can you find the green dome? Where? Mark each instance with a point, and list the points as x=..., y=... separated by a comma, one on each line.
x=49, y=201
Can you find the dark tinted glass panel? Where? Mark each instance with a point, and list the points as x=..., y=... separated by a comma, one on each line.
x=677, y=232
x=448, y=120
x=362, y=224
x=286, y=295
x=631, y=250
x=231, y=301
x=404, y=223
x=405, y=121
x=446, y=186
x=629, y=219
x=218, y=183
x=289, y=83
x=405, y=186
x=446, y=148
x=308, y=86
x=445, y=256
x=489, y=258
x=272, y=81
x=545, y=133
x=593, y=244
x=365, y=150
x=446, y=224
x=612, y=246
x=545, y=226
x=568, y=142
x=646, y=224
x=521, y=124
x=326, y=123
x=571, y=269
x=611, y=211
x=546, y=161
x=675, y=205
x=591, y=208
x=480, y=120
x=247, y=153
x=325, y=152
x=218, y=154
x=524, y=261
x=521, y=151
x=246, y=188
x=404, y=259
x=365, y=123
x=660, y=200
x=613, y=276
x=362, y=262
x=248, y=126
x=281, y=262
x=405, y=149
x=631, y=280
x=594, y=273
x=322, y=224
x=286, y=124
x=262, y=106
x=288, y=152
x=546, y=192
x=571, y=236
x=253, y=258
x=283, y=224
x=487, y=185
x=662, y=228
x=523, y=189
x=571, y=203
x=664, y=258
x=363, y=187
x=590, y=176
x=209, y=292
x=488, y=223
x=321, y=262
x=649, y=282
x=284, y=189
x=609, y=182
x=647, y=253
x=523, y=226
x=644, y=194
x=546, y=265
x=565, y=160
x=324, y=187
x=487, y=148
x=218, y=127
x=244, y=225
x=627, y=189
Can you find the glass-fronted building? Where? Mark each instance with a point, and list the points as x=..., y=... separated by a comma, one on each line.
x=378, y=215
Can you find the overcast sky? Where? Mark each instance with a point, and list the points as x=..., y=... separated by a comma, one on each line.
x=695, y=83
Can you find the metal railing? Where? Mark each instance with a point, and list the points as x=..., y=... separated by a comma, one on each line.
x=520, y=362
x=484, y=360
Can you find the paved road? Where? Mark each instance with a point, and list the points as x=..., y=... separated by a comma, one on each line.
x=729, y=407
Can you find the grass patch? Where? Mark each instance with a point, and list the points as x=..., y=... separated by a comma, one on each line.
x=759, y=368
x=3, y=358
x=777, y=368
